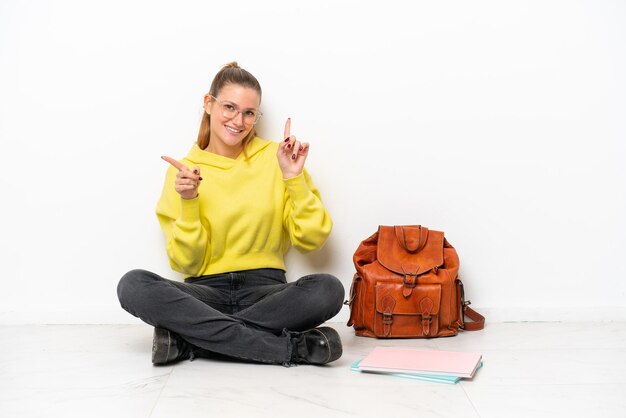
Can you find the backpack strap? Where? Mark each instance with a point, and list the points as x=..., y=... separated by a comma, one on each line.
x=478, y=321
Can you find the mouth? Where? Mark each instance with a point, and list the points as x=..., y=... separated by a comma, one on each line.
x=233, y=130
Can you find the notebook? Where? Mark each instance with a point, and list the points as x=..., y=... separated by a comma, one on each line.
x=450, y=380
x=416, y=361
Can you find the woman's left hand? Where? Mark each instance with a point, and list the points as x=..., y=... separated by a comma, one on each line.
x=291, y=154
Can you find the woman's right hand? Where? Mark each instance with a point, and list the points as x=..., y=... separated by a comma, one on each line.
x=187, y=181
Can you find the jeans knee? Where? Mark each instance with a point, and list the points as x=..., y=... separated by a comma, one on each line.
x=130, y=285
x=330, y=293
x=334, y=288
x=335, y=291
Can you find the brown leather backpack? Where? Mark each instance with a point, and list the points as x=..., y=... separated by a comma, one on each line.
x=406, y=286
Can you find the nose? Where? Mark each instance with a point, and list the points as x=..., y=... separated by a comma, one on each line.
x=238, y=119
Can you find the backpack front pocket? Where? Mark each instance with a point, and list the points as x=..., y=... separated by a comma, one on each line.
x=407, y=317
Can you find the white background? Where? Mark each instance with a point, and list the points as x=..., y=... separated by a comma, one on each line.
x=500, y=123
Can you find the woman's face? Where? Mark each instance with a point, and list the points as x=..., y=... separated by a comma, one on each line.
x=228, y=131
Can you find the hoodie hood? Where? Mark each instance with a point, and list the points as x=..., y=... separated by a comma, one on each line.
x=197, y=156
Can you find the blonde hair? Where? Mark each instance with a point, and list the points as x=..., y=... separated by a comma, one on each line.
x=230, y=73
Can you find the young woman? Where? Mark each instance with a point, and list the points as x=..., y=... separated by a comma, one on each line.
x=230, y=210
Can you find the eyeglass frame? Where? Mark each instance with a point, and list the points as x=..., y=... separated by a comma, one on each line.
x=237, y=111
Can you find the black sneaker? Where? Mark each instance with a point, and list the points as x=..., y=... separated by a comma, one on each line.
x=168, y=347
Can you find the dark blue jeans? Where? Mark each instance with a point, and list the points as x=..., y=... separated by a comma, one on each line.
x=249, y=314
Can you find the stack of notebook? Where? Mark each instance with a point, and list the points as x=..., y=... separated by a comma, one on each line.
x=431, y=365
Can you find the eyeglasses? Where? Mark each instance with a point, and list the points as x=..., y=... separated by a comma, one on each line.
x=230, y=111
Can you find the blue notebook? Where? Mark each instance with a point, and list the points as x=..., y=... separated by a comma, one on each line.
x=450, y=380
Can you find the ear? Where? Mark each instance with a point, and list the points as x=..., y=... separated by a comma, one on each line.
x=207, y=103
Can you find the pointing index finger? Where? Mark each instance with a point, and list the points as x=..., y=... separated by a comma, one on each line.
x=287, y=128
x=175, y=163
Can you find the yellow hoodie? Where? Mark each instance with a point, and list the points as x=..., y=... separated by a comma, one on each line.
x=245, y=216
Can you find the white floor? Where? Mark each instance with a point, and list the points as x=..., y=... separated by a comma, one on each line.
x=530, y=370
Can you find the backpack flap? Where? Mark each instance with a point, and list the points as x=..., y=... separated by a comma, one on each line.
x=409, y=251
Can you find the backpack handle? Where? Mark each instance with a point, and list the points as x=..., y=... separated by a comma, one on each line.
x=412, y=238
